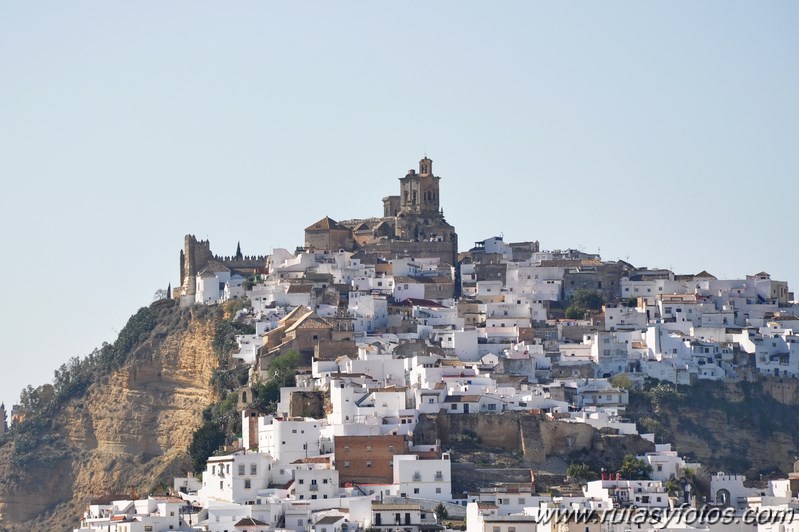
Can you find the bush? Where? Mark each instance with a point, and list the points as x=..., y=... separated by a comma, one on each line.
x=634, y=469
x=205, y=441
x=581, y=472
x=441, y=512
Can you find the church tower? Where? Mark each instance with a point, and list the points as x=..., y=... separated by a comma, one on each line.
x=419, y=191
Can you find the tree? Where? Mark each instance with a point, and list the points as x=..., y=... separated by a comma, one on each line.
x=204, y=442
x=265, y=397
x=581, y=302
x=283, y=367
x=634, y=469
x=587, y=299
x=622, y=380
x=581, y=472
x=441, y=512
x=35, y=400
x=575, y=313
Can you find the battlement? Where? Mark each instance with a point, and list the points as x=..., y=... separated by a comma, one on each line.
x=196, y=254
x=247, y=261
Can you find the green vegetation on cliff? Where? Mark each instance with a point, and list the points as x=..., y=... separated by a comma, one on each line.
x=120, y=418
x=221, y=420
x=741, y=427
x=71, y=381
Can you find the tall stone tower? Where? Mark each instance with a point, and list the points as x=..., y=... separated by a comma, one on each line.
x=194, y=255
x=419, y=191
x=420, y=218
x=3, y=426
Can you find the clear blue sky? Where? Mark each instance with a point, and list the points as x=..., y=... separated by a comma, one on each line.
x=666, y=133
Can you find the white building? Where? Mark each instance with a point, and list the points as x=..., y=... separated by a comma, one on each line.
x=236, y=477
x=426, y=479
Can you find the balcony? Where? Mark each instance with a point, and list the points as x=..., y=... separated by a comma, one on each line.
x=417, y=477
x=313, y=487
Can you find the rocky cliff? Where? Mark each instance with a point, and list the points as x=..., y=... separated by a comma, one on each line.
x=738, y=427
x=125, y=432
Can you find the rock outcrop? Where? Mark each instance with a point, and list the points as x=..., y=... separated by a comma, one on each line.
x=126, y=435
x=742, y=427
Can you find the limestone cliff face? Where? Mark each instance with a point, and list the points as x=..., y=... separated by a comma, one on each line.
x=127, y=434
x=738, y=427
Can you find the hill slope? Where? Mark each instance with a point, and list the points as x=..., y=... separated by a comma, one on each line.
x=121, y=426
x=737, y=427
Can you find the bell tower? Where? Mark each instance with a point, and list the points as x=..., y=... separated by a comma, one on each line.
x=419, y=191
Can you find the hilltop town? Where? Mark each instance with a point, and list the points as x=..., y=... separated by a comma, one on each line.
x=404, y=351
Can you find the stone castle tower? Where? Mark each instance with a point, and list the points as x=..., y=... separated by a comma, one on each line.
x=196, y=255
x=193, y=257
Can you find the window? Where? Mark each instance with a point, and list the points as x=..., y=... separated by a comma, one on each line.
x=416, y=491
x=438, y=490
x=492, y=406
x=247, y=484
x=511, y=529
x=496, y=528
x=241, y=470
x=301, y=481
x=253, y=469
x=221, y=484
x=369, y=447
x=346, y=463
x=368, y=464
